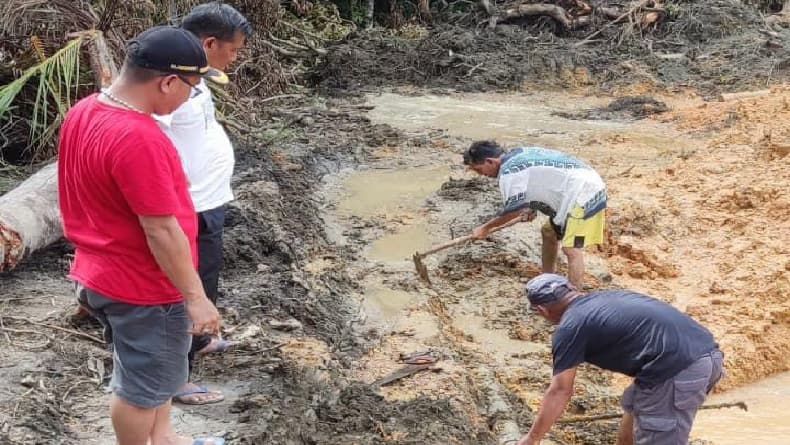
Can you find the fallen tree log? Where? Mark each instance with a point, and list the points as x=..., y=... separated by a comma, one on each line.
x=29, y=217
x=29, y=214
x=559, y=14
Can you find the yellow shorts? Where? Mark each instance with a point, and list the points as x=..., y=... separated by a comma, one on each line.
x=580, y=232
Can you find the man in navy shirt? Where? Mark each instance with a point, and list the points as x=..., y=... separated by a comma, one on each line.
x=673, y=359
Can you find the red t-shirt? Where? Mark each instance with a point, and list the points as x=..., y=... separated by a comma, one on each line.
x=114, y=165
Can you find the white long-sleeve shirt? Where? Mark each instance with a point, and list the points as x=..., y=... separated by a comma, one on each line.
x=205, y=149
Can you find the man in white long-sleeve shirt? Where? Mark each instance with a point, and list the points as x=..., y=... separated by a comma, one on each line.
x=207, y=156
x=536, y=179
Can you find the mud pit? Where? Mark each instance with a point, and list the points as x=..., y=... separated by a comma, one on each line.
x=696, y=194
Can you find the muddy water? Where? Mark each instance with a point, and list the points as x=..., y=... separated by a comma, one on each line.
x=386, y=303
x=393, y=194
x=767, y=422
x=400, y=246
x=388, y=192
x=482, y=116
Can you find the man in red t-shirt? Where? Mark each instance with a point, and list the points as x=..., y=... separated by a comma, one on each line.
x=126, y=208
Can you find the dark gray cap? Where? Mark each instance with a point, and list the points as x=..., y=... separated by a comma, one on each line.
x=547, y=288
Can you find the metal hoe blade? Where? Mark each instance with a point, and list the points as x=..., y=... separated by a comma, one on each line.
x=422, y=270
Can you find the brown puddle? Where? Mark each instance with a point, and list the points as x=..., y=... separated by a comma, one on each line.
x=386, y=303
x=387, y=192
x=510, y=118
x=401, y=245
x=394, y=193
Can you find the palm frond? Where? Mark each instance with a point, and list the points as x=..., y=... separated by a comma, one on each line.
x=58, y=77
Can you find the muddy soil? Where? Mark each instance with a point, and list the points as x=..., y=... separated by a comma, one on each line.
x=703, y=46
x=321, y=290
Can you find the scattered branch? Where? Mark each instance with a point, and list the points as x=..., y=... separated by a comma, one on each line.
x=57, y=328
x=284, y=52
x=304, y=32
x=617, y=20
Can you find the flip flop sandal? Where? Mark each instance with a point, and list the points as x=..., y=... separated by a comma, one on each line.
x=214, y=440
x=220, y=347
x=419, y=358
x=180, y=397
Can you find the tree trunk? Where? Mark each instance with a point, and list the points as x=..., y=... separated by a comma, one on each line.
x=369, y=10
x=29, y=217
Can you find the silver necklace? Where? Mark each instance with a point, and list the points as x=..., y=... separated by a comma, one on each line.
x=119, y=101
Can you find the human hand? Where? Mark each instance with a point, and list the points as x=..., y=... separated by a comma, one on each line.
x=204, y=316
x=480, y=232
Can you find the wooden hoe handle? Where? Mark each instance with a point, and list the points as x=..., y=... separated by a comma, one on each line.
x=466, y=238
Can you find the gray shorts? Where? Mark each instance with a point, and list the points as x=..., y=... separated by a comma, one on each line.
x=664, y=413
x=150, y=346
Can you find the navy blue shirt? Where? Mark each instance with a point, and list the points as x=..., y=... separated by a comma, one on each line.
x=630, y=333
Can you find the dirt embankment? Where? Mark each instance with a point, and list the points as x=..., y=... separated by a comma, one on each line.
x=740, y=185
x=711, y=234
x=709, y=47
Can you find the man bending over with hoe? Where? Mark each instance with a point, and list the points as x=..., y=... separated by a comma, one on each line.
x=534, y=179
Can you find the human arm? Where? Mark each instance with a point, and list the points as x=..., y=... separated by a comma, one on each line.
x=554, y=401
x=481, y=231
x=170, y=247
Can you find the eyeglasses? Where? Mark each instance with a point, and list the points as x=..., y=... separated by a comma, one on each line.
x=195, y=90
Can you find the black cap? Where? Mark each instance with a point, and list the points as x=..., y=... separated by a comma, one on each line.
x=174, y=51
x=547, y=288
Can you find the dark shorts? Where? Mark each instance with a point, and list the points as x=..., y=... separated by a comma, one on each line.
x=150, y=345
x=663, y=414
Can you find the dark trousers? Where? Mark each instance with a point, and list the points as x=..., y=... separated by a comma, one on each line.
x=210, y=259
